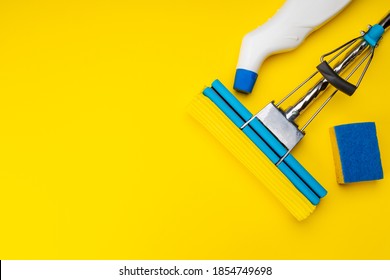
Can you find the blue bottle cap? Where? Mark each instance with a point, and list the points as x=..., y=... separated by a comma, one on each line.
x=244, y=80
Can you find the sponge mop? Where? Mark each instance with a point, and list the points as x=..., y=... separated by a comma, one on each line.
x=356, y=152
x=208, y=114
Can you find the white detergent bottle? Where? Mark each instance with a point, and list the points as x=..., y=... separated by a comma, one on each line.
x=285, y=31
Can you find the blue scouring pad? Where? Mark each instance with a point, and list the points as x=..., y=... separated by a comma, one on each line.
x=356, y=152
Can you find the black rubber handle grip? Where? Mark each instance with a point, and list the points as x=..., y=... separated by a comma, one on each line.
x=335, y=80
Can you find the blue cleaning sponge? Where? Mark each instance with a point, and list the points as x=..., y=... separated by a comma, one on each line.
x=356, y=152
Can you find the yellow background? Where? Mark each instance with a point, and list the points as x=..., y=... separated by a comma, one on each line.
x=99, y=159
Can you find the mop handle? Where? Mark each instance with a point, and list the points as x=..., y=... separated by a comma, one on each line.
x=385, y=22
x=369, y=40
